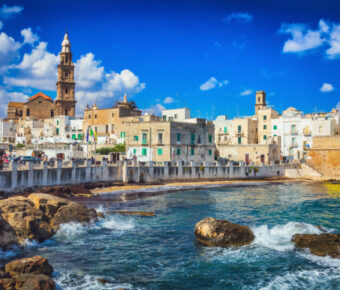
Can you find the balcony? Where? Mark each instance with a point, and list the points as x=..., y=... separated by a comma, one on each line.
x=144, y=142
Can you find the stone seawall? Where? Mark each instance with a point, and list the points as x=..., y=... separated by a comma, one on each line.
x=20, y=177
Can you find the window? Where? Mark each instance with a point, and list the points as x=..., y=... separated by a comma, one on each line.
x=52, y=113
x=239, y=140
x=66, y=111
x=113, y=115
x=144, y=136
x=66, y=91
x=144, y=151
x=225, y=129
x=275, y=127
x=192, y=151
x=135, y=138
x=210, y=152
x=293, y=141
x=160, y=151
x=89, y=116
x=122, y=134
x=175, y=116
x=192, y=138
x=293, y=129
x=210, y=138
x=178, y=151
x=164, y=118
x=264, y=117
x=264, y=137
x=178, y=137
x=160, y=138
x=80, y=137
x=95, y=116
x=74, y=136
x=28, y=112
x=57, y=131
x=264, y=127
x=134, y=151
x=239, y=128
x=57, y=122
x=199, y=139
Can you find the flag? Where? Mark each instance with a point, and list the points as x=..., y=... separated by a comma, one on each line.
x=95, y=136
x=87, y=135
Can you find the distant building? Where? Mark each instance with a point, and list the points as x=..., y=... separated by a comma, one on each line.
x=7, y=131
x=41, y=106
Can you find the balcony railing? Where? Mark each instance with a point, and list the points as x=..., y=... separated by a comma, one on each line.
x=144, y=142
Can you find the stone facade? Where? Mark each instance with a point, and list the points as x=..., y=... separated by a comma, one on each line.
x=324, y=157
x=161, y=141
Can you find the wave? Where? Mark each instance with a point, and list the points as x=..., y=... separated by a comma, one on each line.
x=117, y=223
x=70, y=280
x=279, y=237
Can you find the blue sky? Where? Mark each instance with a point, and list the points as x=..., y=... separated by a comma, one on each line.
x=210, y=56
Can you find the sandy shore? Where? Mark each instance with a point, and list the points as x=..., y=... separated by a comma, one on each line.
x=123, y=193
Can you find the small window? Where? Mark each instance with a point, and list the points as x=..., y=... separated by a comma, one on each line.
x=225, y=129
x=199, y=139
x=95, y=116
x=275, y=127
x=178, y=151
x=160, y=151
x=106, y=129
x=175, y=116
x=134, y=151
x=28, y=112
x=89, y=116
x=164, y=118
x=264, y=117
x=144, y=136
x=192, y=151
x=160, y=138
x=113, y=115
x=52, y=113
x=57, y=131
x=57, y=122
x=66, y=91
x=210, y=138
x=264, y=137
x=144, y=151
x=264, y=127
x=135, y=138
x=239, y=128
x=192, y=138
x=122, y=134
x=210, y=152
x=178, y=137
x=239, y=140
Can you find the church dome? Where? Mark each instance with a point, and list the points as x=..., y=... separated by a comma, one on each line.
x=66, y=45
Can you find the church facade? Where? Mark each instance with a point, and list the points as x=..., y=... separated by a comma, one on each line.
x=41, y=106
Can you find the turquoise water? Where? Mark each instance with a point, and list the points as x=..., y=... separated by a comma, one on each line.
x=161, y=253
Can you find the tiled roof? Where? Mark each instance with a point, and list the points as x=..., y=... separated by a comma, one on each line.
x=15, y=104
x=40, y=94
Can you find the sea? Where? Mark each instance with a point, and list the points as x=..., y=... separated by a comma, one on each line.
x=160, y=252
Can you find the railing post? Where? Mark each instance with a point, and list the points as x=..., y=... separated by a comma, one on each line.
x=59, y=163
x=45, y=173
x=14, y=177
x=88, y=170
x=166, y=170
x=30, y=174
x=74, y=172
x=125, y=172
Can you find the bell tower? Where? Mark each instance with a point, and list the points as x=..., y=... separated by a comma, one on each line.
x=260, y=101
x=65, y=102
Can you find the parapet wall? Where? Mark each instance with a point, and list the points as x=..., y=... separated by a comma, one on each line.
x=17, y=178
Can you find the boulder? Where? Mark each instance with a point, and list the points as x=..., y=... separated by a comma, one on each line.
x=27, y=221
x=222, y=233
x=28, y=273
x=320, y=245
x=73, y=212
x=32, y=265
x=37, y=217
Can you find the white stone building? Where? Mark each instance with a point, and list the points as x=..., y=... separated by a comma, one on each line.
x=7, y=131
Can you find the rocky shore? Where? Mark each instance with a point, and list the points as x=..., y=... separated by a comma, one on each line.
x=38, y=217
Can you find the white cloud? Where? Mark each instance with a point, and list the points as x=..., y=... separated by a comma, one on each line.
x=212, y=83
x=246, y=92
x=29, y=36
x=38, y=69
x=155, y=110
x=8, y=51
x=239, y=16
x=6, y=97
x=8, y=11
x=302, y=38
x=168, y=100
x=326, y=88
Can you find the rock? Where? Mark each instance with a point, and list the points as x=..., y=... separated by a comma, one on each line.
x=37, y=217
x=221, y=233
x=319, y=245
x=8, y=236
x=140, y=213
x=103, y=281
x=28, y=273
x=32, y=265
x=27, y=221
x=73, y=212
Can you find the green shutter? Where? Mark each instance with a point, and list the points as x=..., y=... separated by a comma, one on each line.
x=210, y=138
x=192, y=139
x=178, y=150
x=275, y=127
x=192, y=151
x=122, y=134
x=144, y=151
x=74, y=136
x=210, y=152
x=225, y=129
x=239, y=140
x=178, y=137
x=135, y=138
x=264, y=137
x=134, y=151
x=160, y=151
